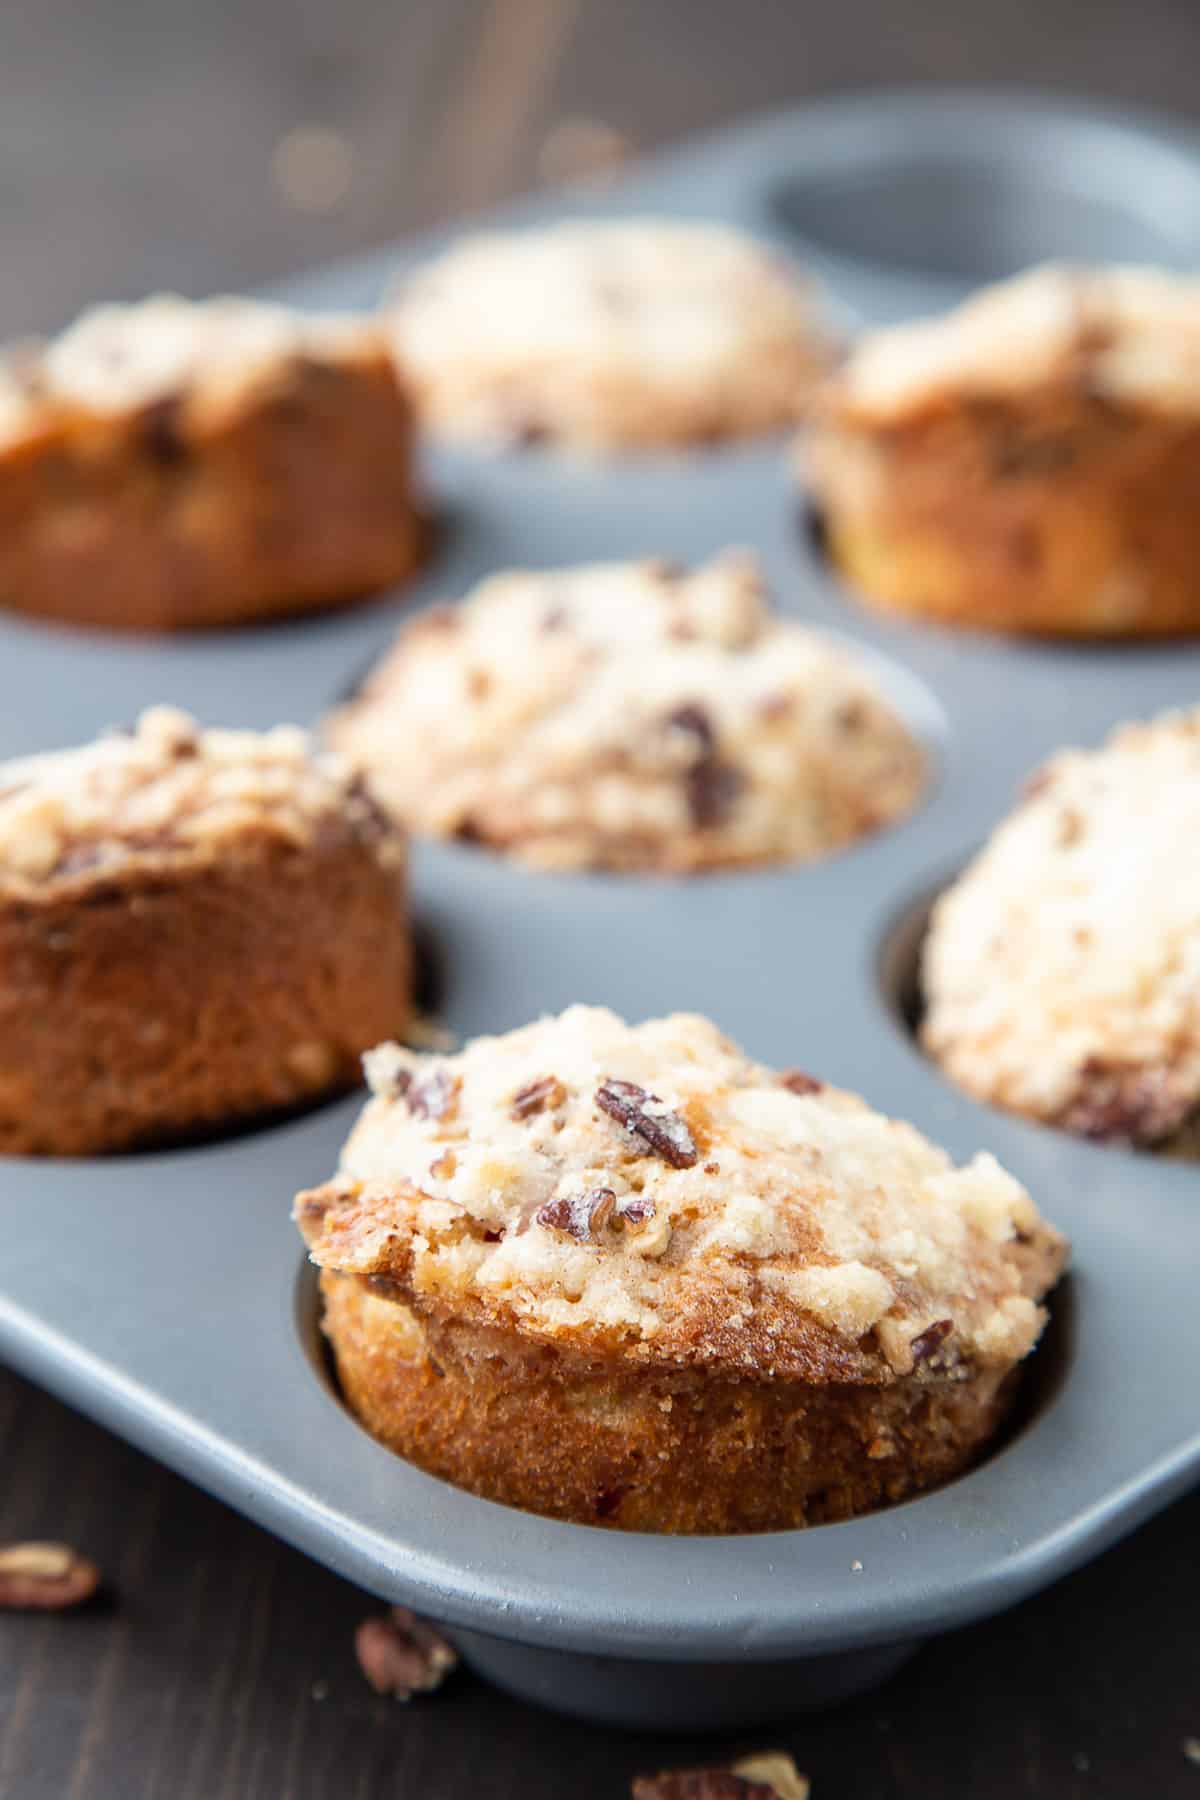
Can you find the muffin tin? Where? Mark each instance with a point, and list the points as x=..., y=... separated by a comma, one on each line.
x=166, y=1294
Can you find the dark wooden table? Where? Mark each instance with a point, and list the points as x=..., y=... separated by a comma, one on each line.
x=156, y=145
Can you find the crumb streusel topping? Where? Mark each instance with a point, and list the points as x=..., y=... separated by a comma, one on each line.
x=1128, y=334
x=167, y=789
x=1062, y=969
x=650, y=1188
x=603, y=333
x=630, y=715
x=120, y=358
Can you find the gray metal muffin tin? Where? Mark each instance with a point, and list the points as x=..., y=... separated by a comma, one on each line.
x=166, y=1294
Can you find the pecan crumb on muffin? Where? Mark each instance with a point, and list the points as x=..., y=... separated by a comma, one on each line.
x=630, y=716
x=609, y=335
x=1062, y=969
x=196, y=927
x=679, y=1296
x=176, y=464
x=1031, y=462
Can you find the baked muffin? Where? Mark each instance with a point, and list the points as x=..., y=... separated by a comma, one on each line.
x=1029, y=463
x=630, y=716
x=625, y=1276
x=1062, y=969
x=174, y=464
x=609, y=335
x=195, y=928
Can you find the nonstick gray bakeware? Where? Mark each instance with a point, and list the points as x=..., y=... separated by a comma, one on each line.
x=166, y=1294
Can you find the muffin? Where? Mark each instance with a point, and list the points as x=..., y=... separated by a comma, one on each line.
x=173, y=464
x=630, y=716
x=1061, y=971
x=195, y=928
x=1029, y=463
x=609, y=335
x=625, y=1276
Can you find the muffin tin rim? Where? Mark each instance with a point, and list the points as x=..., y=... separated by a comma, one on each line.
x=525, y=1605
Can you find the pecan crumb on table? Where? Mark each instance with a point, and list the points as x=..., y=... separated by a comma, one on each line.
x=45, y=1577
x=403, y=1655
x=770, y=1775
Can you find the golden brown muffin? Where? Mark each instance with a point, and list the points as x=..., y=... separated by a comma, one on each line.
x=625, y=1276
x=1062, y=969
x=195, y=928
x=171, y=465
x=634, y=716
x=609, y=335
x=1029, y=463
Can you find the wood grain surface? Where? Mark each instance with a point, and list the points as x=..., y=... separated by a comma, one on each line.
x=161, y=143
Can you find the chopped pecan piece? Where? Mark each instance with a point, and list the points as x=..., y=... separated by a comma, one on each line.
x=712, y=789
x=636, y=1209
x=695, y=720
x=711, y=785
x=777, y=1770
x=929, y=1341
x=443, y=617
x=581, y=1216
x=1014, y=456
x=1068, y=827
x=45, y=1577
x=769, y=1776
x=432, y=1096
x=700, y=1784
x=403, y=1655
x=523, y=429
x=1036, y=783
x=797, y=1082
x=650, y=1232
x=539, y=1096
x=161, y=434
x=1126, y=1104
x=367, y=812
x=663, y=1132
x=397, y=1083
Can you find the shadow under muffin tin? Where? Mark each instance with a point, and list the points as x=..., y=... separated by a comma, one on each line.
x=166, y=1294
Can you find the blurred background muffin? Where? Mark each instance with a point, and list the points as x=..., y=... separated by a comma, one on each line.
x=609, y=335
x=1030, y=462
x=175, y=464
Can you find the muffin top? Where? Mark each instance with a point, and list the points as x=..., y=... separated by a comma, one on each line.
x=117, y=359
x=650, y=1192
x=603, y=334
x=630, y=716
x=1062, y=969
x=167, y=791
x=1123, y=334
